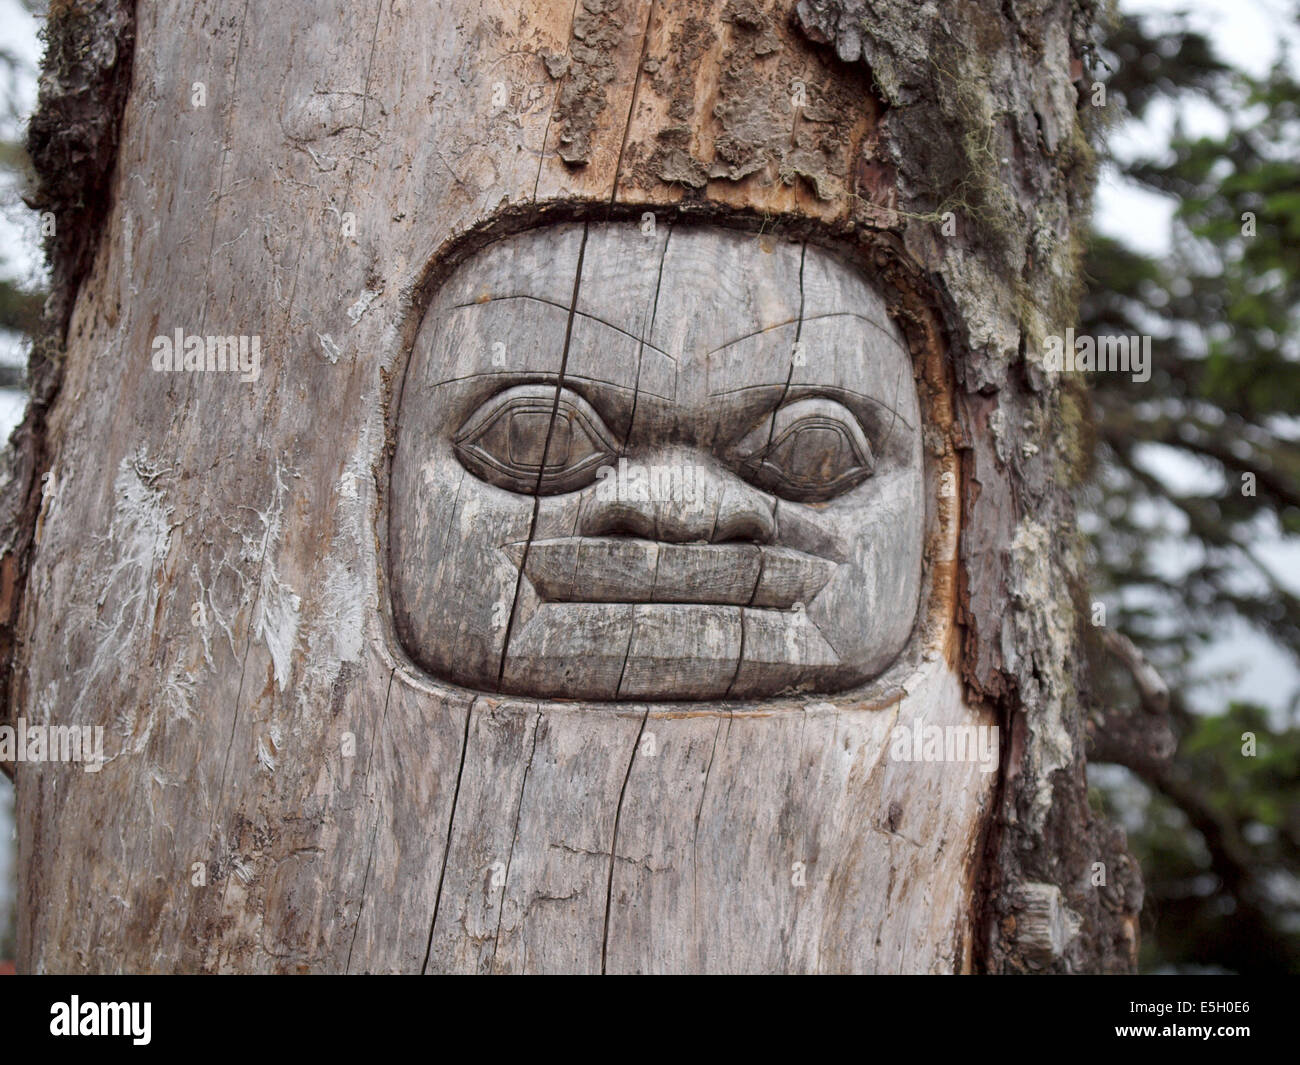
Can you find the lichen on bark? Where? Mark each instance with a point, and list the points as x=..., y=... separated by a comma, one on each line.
x=597, y=29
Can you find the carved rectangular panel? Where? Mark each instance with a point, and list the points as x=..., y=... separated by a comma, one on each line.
x=675, y=464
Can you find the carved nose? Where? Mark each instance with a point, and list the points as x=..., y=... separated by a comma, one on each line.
x=678, y=495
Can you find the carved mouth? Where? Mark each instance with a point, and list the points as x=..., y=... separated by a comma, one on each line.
x=621, y=569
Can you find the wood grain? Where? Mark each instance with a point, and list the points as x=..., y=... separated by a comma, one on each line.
x=287, y=791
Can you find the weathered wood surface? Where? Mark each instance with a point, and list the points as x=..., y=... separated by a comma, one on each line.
x=286, y=790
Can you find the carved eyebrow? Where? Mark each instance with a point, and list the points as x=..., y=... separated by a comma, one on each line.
x=536, y=377
x=599, y=384
x=605, y=396
x=565, y=307
x=836, y=392
x=667, y=354
x=808, y=318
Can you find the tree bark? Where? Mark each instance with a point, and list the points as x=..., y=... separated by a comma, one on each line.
x=216, y=566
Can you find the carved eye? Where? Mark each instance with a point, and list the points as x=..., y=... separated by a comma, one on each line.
x=505, y=441
x=809, y=451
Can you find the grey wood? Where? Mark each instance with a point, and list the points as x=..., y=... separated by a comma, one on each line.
x=505, y=465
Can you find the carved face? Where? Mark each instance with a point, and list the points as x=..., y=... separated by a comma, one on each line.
x=692, y=472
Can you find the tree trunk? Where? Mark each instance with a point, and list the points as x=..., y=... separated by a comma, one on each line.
x=392, y=676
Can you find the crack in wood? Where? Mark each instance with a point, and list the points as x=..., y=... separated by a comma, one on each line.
x=519, y=809
x=451, y=826
x=546, y=454
x=613, y=845
x=695, y=835
x=631, y=106
x=550, y=116
x=647, y=331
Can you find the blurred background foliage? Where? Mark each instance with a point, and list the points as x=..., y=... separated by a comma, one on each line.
x=1194, y=472
x=21, y=295
x=21, y=300
x=1174, y=538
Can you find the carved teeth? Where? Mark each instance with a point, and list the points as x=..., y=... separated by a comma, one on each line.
x=616, y=569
